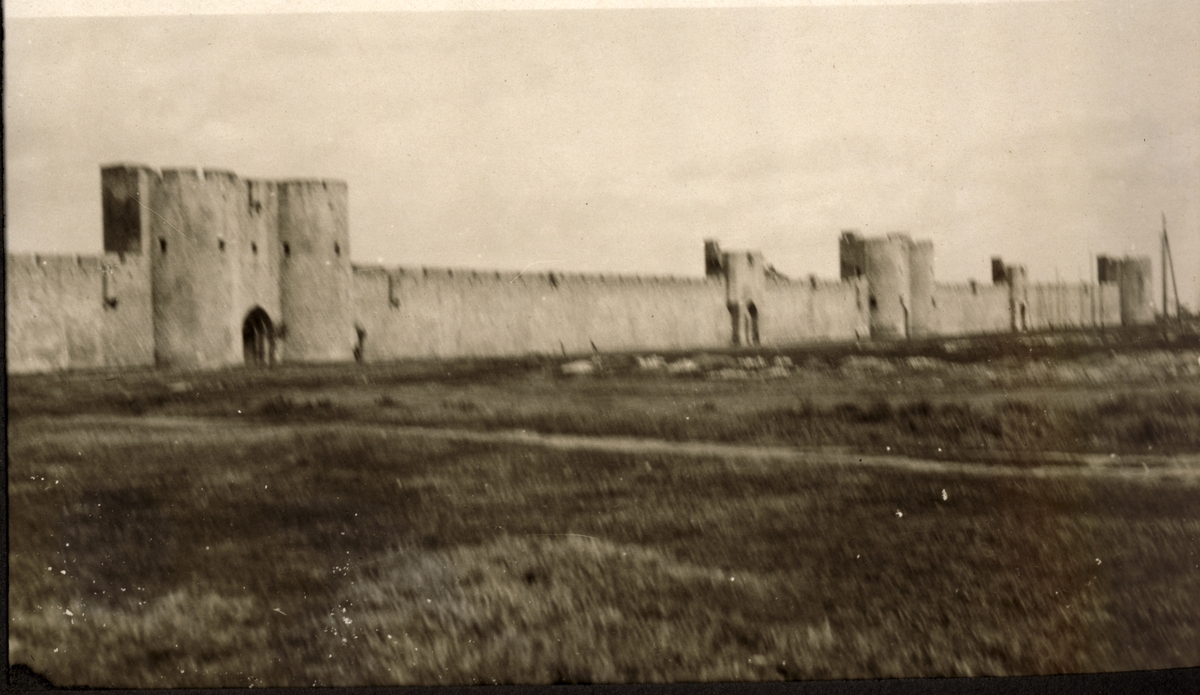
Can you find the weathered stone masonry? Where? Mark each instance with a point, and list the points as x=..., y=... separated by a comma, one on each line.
x=203, y=269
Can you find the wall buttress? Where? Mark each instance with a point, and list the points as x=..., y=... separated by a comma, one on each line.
x=108, y=290
x=392, y=298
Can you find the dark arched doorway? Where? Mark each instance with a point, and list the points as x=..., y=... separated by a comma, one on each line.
x=258, y=338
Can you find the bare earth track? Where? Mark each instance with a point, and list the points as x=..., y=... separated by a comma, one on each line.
x=1179, y=468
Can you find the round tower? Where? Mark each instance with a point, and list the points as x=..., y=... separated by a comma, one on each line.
x=315, y=274
x=1134, y=281
x=922, y=311
x=196, y=216
x=1020, y=311
x=745, y=278
x=889, y=281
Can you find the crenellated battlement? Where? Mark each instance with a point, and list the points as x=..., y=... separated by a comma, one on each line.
x=552, y=278
x=810, y=282
x=60, y=266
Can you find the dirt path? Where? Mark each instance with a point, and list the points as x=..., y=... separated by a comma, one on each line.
x=115, y=430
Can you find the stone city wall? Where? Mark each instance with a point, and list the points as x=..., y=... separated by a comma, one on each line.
x=420, y=312
x=813, y=310
x=77, y=312
x=965, y=309
x=204, y=269
x=1071, y=305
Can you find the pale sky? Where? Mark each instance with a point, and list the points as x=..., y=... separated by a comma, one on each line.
x=618, y=140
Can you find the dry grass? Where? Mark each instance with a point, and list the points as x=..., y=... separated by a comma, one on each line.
x=1135, y=401
x=266, y=545
x=182, y=637
x=561, y=609
x=1162, y=422
x=242, y=556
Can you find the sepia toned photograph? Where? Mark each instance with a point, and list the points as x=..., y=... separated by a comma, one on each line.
x=455, y=343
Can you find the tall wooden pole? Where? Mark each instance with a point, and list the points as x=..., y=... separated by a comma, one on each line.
x=1171, y=262
x=1162, y=247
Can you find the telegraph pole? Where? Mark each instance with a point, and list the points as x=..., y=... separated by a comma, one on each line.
x=1162, y=254
x=1162, y=250
x=1168, y=265
x=1171, y=261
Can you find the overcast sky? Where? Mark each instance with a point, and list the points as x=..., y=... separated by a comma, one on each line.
x=618, y=140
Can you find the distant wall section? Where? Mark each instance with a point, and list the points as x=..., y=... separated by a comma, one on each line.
x=77, y=312
x=1072, y=305
x=416, y=312
x=795, y=312
x=970, y=308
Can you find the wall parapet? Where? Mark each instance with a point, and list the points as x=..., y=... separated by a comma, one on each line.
x=53, y=262
x=552, y=277
x=811, y=282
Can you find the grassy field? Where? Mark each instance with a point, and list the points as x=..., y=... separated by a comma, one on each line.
x=286, y=528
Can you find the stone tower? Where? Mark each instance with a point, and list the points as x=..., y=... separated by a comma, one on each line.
x=899, y=273
x=1133, y=276
x=745, y=278
x=241, y=271
x=314, y=236
x=744, y=274
x=922, y=310
x=885, y=262
x=1016, y=279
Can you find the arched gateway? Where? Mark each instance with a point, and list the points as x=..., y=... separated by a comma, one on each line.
x=258, y=338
